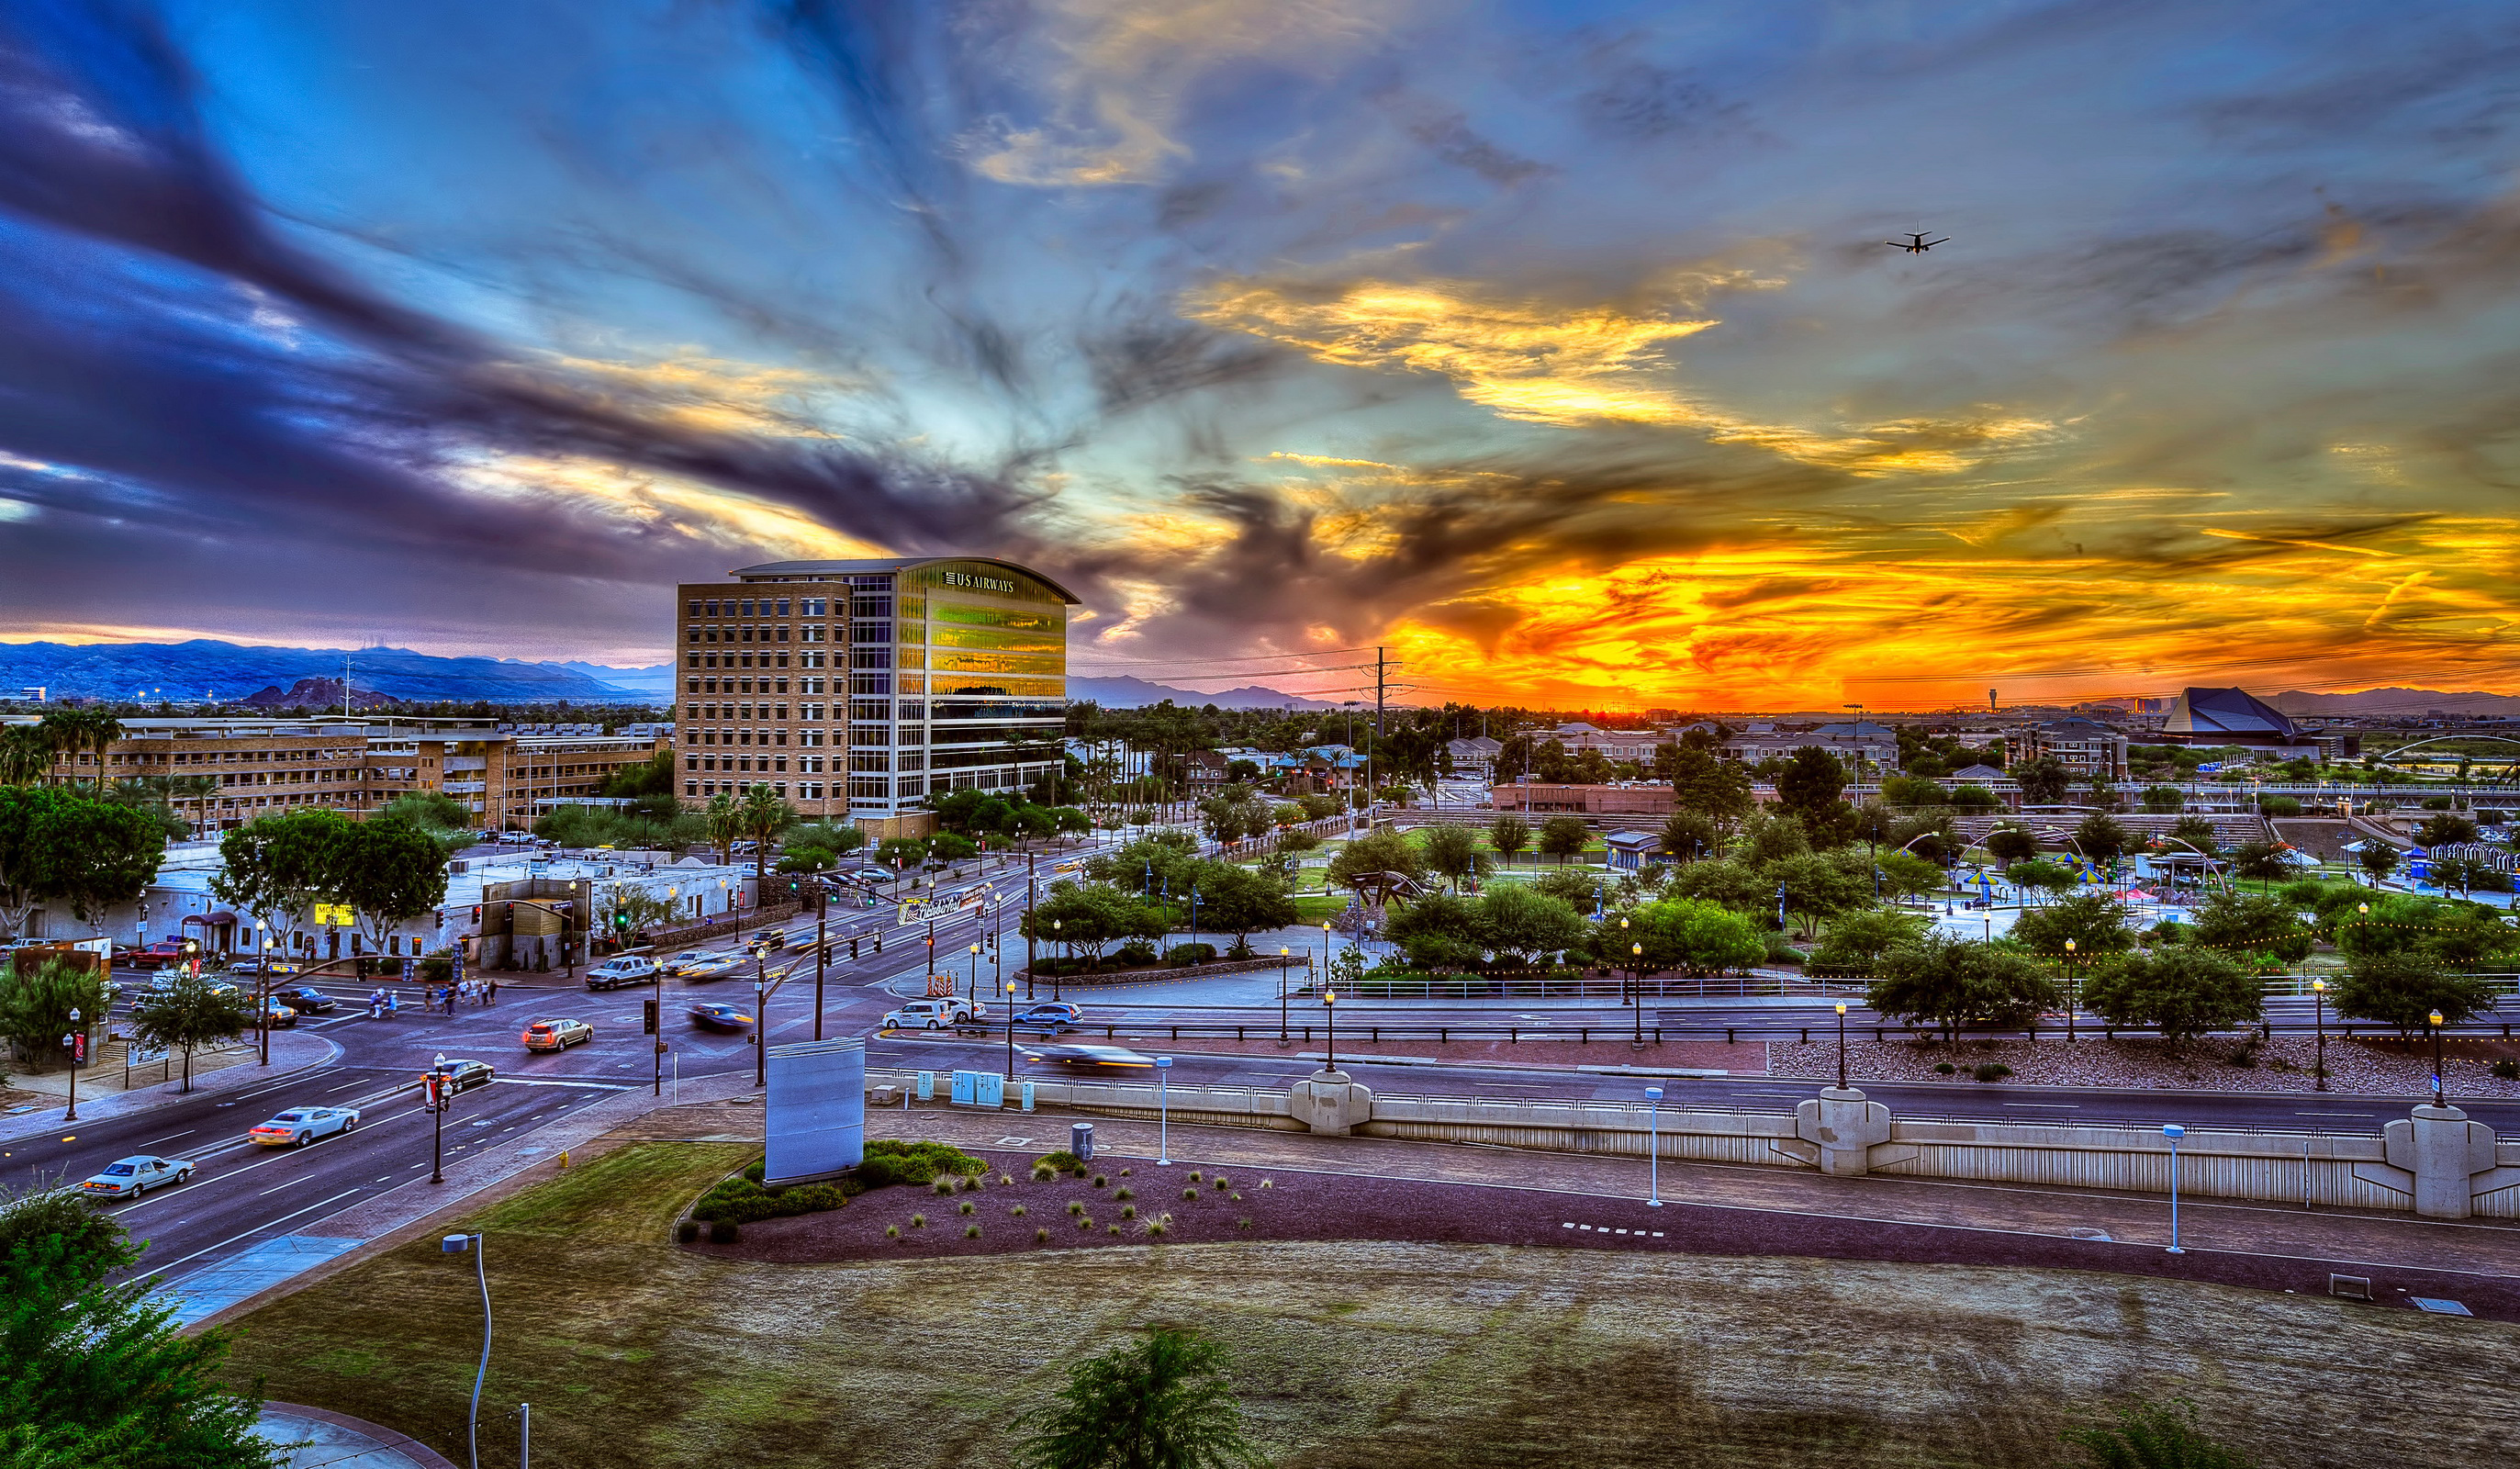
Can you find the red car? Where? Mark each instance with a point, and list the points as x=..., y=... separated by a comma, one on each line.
x=165, y=954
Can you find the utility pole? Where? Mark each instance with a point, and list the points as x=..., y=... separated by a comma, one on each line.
x=1028, y=925
x=822, y=946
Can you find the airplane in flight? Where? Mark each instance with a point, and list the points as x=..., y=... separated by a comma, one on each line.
x=1917, y=245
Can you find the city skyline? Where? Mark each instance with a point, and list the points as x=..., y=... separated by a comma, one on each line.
x=1560, y=350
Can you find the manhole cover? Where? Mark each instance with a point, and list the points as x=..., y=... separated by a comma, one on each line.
x=1014, y=1142
x=2438, y=1306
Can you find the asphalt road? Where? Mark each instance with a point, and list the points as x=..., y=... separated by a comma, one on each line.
x=243, y=1194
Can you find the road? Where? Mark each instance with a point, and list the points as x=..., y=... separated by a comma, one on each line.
x=243, y=1194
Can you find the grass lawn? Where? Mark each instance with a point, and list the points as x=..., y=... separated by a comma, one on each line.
x=637, y=1354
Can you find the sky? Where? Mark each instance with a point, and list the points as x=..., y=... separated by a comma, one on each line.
x=1557, y=348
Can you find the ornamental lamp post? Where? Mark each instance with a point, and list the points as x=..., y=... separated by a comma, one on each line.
x=2318, y=1002
x=1653, y=1147
x=1282, y=993
x=1637, y=967
x=1010, y=1030
x=1163, y=1111
x=461, y=1244
x=2436, y=1019
x=1841, y=1045
x=1329, y=1013
x=2069, y=992
x=71, y=1043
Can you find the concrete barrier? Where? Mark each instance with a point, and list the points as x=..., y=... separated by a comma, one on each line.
x=2436, y=1163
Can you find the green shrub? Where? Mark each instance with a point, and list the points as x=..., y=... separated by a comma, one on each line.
x=1944, y=1067
x=687, y=1231
x=725, y=1232
x=1017, y=1212
x=1190, y=1193
x=1061, y=1161
x=1041, y=1236
x=1043, y=1174
x=944, y=1185
x=1083, y=1222
x=742, y=1200
x=1128, y=1211
x=1124, y=1192
x=1133, y=956
x=889, y=1162
x=970, y=1231
x=1184, y=955
x=1101, y=1180
x=968, y=1206
x=918, y=1221
x=1076, y=1205
x=2507, y=1070
x=892, y=1231
x=1991, y=1070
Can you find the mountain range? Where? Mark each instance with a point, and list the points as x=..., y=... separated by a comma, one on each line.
x=205, y=669
x=2414, y=703
x=1136, y=692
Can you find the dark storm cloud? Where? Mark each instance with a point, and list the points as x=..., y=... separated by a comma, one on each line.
x=161, y=346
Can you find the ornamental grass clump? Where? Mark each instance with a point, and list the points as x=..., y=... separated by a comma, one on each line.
x=892, y=1231
x=1042, y=1172
x=1101, y=1180
x=1189, y=1194
x=944, y=1185
x=1124, y=1192
x=966, y=1206
x=970, y=1231
x=1041, y=1236
x=1018, y=1211
x=1076, y=1205
x=1128, y=1211
x=918, y=1221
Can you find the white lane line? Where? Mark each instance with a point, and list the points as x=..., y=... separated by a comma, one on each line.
x=2045, y=1106
x=170, y=1137
x=256, y=1229
x=554, y=1081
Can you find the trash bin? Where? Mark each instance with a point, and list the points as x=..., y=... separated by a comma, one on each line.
x=1080, y=1141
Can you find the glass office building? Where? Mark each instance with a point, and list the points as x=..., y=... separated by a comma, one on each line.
x=858, y=688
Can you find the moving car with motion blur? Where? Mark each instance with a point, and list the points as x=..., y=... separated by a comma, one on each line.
x=279, y=1014
x=300, y=1126
x=1101, y=1056
x=556, y=1034
x=715, y=1017
x=130, y=1178
x=680, y=966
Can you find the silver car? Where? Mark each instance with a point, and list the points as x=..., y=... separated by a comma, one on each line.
x=130, y=1178
x=300, y=1126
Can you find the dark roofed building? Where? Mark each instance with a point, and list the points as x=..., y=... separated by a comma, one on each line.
x=2228, y=716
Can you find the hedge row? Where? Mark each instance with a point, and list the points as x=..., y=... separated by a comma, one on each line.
x=744, y=1200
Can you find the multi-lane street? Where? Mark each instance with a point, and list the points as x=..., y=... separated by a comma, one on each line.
x=243, y=1193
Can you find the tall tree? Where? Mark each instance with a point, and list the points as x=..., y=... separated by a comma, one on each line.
x=1454, y=854
x=1955, y=981
x=2043, y=781
x=1509, y=834
x=1691, y=836
x=2404, y=988
x=389, y=872
x=1809, y=788
x=1162, y=1404
x=1519, y=924
x=59, y=846
x=1238, y=900
x=272, y=868
x=2011, y=843
x=1092, y=916
x=25, y=755
x=1702, y=782
x=37, y=1002
x=2185, y=991
x=762, y=815
x=1564, y=837
x=725, y=825
x=191, y=1013
x=2101, y=837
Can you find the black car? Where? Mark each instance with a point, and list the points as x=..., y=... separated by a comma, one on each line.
x=307, y=1002
x=463, y=1076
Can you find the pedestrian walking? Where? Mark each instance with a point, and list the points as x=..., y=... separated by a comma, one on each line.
x=489, y=993
x=394, y=1003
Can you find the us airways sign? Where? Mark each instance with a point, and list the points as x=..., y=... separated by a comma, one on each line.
x=976, y=584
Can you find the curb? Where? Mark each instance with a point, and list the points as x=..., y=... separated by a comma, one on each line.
x=166, y=1093
x=420, y=1456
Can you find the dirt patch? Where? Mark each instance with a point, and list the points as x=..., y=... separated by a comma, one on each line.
x=1278, y=1204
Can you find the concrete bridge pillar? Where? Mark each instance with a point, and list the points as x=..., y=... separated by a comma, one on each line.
x=2445, y=1151
x=1331, y=1103
x=1845, y=1127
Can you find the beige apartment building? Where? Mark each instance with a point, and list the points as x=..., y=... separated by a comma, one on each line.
x=222, y=773
x=856, y=688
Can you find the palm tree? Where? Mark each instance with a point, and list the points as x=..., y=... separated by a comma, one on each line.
x=77, y=731
x=25, y=755
x=1163, y=1404
x=762, y=815
x=724, y=825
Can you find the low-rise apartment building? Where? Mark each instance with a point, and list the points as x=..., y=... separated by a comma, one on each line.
x=217, y=774
x=1540, y=797
x=2091, y=750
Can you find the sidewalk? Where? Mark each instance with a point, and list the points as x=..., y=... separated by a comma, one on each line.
x=338, y=1441
x=290, y=1053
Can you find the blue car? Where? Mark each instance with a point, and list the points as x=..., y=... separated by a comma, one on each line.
x=1049, y=1018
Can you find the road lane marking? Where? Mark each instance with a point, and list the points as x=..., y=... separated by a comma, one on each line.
x=258, y=1229
x=170, y=1137
x=2045, y=1106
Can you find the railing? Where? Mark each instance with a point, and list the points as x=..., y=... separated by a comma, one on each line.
x=1307, y=1028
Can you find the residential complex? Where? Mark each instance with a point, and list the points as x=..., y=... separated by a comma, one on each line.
x=856, y=688
x=2090, y=750
x=218, y=774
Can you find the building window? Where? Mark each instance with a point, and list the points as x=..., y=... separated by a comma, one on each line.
x=866, y=788
x=874, y=760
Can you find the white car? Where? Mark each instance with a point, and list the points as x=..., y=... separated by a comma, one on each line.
x=629, y=969
x=300, y=1126
x=932, y=1015
x=130, y=1178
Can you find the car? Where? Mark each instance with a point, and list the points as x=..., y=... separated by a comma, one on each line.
x=717, y=967
x=803, y=939
x=771, y=938
x=306, y=1001
x=1054, y=1015
x=165, y=954
x=629, y=969
x=130, y=1178
x=300, y=1126
x=678, y=965
x=715, y=1017
x=930, y=1014
x=277, y=1015
x=1089, y=1055
x=168, y=979
x=556, y=1034
x=463, y=1076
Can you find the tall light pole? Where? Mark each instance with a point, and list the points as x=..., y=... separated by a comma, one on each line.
x=2069, y=992
x=2318, y=1002
x=71, y=1044
x=2435, y=1018
x=1841, y=1045
x=2174, y=1132
x=1329, y=1013
x=760, y=1013
x=1163, y=1111
x=1653, y=1146
x=1326, y=949
x=1282, y=994
x=1010, y=1030
x=1636, y=966
x=472, y=1244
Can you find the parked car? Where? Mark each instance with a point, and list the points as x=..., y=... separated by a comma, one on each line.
x=714, y=1017
x=932, y=1014
x=556, y=1034
x=463, y=1076
x=1089, y=1055
x=629, y=969
x=165, y=954
x=306, y=1001
x=300, y=1126
x=167, y=979
x=130, y=1178
x=1049, y=1018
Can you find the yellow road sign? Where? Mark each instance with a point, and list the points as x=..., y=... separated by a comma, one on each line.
x=332, y=915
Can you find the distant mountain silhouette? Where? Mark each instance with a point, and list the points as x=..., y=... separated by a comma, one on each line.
x=2398, y=701
x=1136, y=692
x=206, y=669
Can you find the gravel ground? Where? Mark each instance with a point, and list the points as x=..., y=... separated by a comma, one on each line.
x=2358, y=1067
x=1322, y=1208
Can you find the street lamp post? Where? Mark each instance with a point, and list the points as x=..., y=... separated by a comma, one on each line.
x=1163, y=1111
x=1653, y=1147
x=435, y=1096
x=74, y=1047
x=1325, y=952
x=1841, y=1045
x=976, y=974
x=2436, y=1019
x=1637, y=967
x=2069, y=992
x=472, y=1244
x=1010, y=1030
x=2174, y=1132
x=1282, y=994
x=2318, y=1002
x=760, y=1014
x=1329, y=1014
x=1060, y=973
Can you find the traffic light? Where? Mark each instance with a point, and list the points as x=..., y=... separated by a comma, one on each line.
x=853, y=948
x=621, y=920
x=476, y=914
x=879, y=944
x=651, y=1008
x=430, y=1083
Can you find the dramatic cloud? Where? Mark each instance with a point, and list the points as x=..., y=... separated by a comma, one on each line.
x=1555, y=347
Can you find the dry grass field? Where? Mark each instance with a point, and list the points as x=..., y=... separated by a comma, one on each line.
x=1376, y=1356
